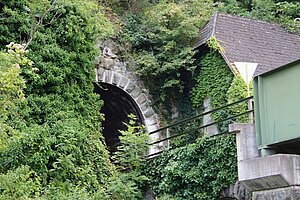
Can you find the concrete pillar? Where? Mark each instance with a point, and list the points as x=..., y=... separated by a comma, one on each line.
x=207, y=119
x=245, y=140
x=272, y=177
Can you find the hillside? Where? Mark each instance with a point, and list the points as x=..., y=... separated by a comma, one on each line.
x=51, y=141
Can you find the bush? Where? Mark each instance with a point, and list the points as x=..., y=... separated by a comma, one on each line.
x=196, y=171
x=20, y=183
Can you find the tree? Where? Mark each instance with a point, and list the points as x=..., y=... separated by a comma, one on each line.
x=59, y=120
x=11, y=85
x=277, y=11
x=163, y=43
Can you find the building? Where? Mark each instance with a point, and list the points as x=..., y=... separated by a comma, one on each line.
x=247, y=40
x=268, y=160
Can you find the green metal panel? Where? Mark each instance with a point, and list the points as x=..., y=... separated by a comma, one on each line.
x=277, y=105
x=256, y=111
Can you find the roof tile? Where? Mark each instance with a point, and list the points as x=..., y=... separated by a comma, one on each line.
x=248, y=40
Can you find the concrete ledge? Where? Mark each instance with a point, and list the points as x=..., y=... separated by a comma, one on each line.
x=290, y=193
x=265, y=183
x=269, y=172
x=245, y=141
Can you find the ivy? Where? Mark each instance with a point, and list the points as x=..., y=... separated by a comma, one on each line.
x=237, y=91
x=12, y=85
x=22, y=183
x=51, y=144
x=196, y=171
x=213, y=81
x=59, y=121
x=214, y=44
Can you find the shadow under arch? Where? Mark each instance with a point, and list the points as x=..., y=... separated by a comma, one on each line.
x=117, y=105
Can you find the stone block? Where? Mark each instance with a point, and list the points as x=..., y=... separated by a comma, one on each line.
x=108, y=74
x=207, y=119
x=130, y=87
x=145, y=106
x=96, y=73
x=151, y=121
x=265, y=183
x=245, y=140
x=100, y=72
x=123, y=82
x=103, y=76
x=136, y=92
x=116, y=79
x=148, y=113
x=235, y=191
x=141, y=99
x=111, y=78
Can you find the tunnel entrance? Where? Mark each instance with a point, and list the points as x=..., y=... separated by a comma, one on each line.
x=117, y=105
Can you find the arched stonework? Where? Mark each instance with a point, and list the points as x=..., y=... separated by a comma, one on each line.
x=110, y=70
x=134, y=90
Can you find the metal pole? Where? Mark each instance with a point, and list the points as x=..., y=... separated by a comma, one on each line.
x=168, y=135
x=251, y=119
x=248, y=95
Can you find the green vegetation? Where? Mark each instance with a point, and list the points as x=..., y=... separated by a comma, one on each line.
x=58, y=151
x=196, y=171
x=162, y=45
x=51, y=146
x=213, y=82
x=278, y=11
x=238, y=90
x=11, y=86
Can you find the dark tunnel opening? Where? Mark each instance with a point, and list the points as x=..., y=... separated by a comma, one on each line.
x=117, y=105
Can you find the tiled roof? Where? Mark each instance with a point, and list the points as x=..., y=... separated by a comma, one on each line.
x=248, y=40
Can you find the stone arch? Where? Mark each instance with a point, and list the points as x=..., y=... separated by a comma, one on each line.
x=130, y=85
x=110, y=70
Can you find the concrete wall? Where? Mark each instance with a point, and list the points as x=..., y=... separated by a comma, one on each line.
x=274, y=177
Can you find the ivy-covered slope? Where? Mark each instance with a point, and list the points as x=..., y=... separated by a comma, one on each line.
x=52, y=146
x=59, y=145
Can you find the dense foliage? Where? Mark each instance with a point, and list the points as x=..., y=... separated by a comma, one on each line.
x=51, y=146
x=58, y=152
x=213, y=81
x=237, y=91
x=161, y=35
x=11, y=85
x=162, y=41
x=278, y=11
x=196, y=171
